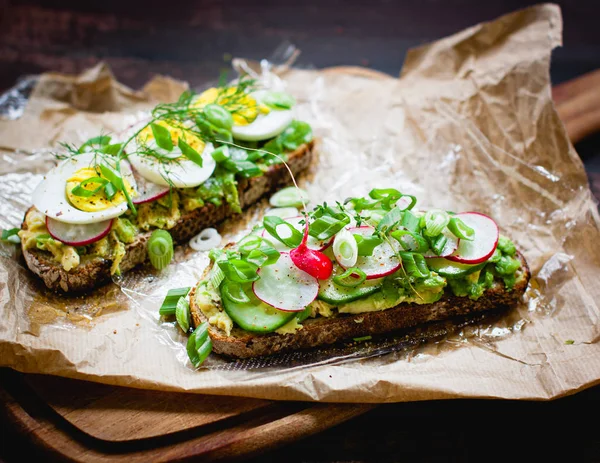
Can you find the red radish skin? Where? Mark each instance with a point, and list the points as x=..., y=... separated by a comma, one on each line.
x=54, y=229
x=315, y=263
x=390, y=263
x=141, y=199
x=271, y=293
x=485, y=241
x=147, y=191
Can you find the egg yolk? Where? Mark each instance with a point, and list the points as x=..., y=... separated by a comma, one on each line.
x=196, y=143
x=97, y=201
x=244, y=108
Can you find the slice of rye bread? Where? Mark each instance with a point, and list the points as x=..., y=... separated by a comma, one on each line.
x=96, y=271
x=343, y=327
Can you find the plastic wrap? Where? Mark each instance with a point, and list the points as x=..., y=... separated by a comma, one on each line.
x=469, y=126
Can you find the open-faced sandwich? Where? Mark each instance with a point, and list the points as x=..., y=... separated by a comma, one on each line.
x=111, y=204
x=350, y=270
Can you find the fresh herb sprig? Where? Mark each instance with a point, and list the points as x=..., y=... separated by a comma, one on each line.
x=182, y=115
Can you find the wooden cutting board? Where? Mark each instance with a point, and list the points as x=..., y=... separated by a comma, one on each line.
x=83, y=421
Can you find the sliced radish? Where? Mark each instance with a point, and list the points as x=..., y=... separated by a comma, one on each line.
x=483, y=245
x=284, y=232
x=78, y=234
x=146, y=190
x=382, y=262
x=449, y=248
x=284, y=286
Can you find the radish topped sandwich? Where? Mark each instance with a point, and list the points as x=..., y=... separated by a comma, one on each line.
x=111, y=204
x=366, y=266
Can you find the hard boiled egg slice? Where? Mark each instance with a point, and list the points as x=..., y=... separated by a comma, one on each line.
x=51, y=196
x=269, y=122
x=172, y=167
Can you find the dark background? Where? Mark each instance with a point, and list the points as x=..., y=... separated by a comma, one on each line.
x=193, y=40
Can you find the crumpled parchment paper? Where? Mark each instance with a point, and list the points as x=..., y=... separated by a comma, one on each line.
x=468, y=125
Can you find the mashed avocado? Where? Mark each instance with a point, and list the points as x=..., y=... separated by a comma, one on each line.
x=208, y=301
x=290, y=327
x=166, y=211
x=110, y=247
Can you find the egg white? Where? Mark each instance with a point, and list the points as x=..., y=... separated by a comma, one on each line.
x=179, y=172
x=50, y=196
x=265, y=126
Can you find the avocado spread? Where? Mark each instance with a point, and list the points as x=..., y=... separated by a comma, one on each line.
x=372, y=295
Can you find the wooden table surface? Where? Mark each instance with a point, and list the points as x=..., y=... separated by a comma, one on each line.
x=189, y=40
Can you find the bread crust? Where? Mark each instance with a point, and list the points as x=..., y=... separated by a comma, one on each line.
x=321, y=330
x=95, y=272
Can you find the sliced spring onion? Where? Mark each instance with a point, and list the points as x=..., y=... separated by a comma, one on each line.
x=199, y=345
x=249, y=243
x=203, y=344
x=324, y=227
x=204, y=351
x=345, y=248
x=10, y=234
x=362, y=338
x=169, y=305
x=387, y=196
x=283, y=231
x=239, y=270
x=411, y=222
x=266, y=255
x=390, y=220
x=111, y=149
x=435, y=221
x=406, y=202
x=200, y=335
x=367, y=244
x=460, y=229
x=414, y=264
x=182, y=314
x=218, y=116
x=189, y=152
x=110, y=190
x=258, y=250
x=410, y=241
x=361, y=204
x=160, y=249
x=438, y=243
x=191, y=349
x=206, y=240
x=216, y=276
x=83, y=192
x=162, y=136
x=350, y=278
x=279, y=100
x=244, y=168
x=221, y=154
x=283, y=212
x=289, y=196
x=234, y=292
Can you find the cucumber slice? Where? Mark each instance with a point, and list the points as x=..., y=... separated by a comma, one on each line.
x=336, y=294
x=450, y=269
x=255, y=315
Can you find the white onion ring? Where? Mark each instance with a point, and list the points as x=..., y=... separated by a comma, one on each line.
x=206, y=240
